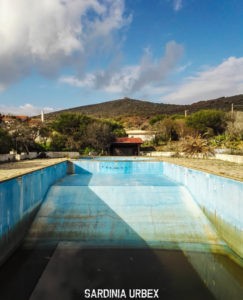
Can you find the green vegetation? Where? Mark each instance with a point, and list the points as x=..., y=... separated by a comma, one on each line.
x=68, y=132
x=5, y=141
x=196, y=147
x=157, y=118
x=122, y=109
x=75, y=132
x=199, y=132
x=210, y=122
x=20, y=136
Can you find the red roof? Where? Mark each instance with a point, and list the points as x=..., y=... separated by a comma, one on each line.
x=126, y=140
x=10, y=117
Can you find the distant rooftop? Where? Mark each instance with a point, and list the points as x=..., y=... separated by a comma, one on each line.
x=127, y=140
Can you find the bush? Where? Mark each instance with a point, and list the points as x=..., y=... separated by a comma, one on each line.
x=156, y=119
x=75, y=132
x=5, y=142
x=196, y=146
x=208, y=121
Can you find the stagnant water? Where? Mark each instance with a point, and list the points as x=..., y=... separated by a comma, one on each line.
x=126, y=231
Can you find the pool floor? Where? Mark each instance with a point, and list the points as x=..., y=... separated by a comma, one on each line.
x=123, y=210
x=120, y=231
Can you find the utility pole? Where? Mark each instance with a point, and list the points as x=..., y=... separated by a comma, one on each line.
x=42, y=116
x=186, y=111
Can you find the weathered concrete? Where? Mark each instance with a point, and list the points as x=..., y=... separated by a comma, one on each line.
x=131, y=205
x=214, y=166
x=123, y=204
x=60, y=154
x=19, y=168
x=233, y=158
x=109, y=206
x=226, y=157
x=219, y=197
x=7, y=157
x=20, y=198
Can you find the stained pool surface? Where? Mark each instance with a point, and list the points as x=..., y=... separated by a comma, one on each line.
x=120, y=225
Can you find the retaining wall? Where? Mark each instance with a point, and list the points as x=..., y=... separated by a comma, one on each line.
x=232, y=158
x=20, y=199
x=220, y=198
x=32, y=155
x=60, y=154
x=7, y=157
x=227, y=157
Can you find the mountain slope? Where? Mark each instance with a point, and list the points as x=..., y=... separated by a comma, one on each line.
x=124, y=107
x=127, y=107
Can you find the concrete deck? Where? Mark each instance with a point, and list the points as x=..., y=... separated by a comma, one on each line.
x=18, y=168
x=218, y=167
x=214, y=166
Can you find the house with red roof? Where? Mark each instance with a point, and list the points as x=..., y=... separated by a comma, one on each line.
x=126, y=146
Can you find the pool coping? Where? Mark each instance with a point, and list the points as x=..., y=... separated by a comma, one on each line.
x=17, y=172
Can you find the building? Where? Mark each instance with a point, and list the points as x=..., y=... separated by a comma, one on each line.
x=8, y=119
x=126, y=146
x=144, y=135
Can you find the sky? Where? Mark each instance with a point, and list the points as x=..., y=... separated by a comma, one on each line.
x=57, y=54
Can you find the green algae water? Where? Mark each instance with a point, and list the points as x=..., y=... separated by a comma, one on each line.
x=120, y=225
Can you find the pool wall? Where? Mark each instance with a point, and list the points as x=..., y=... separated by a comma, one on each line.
x=117, y=167
x=20, y=199
x=220, y=198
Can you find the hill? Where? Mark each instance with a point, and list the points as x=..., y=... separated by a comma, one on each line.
x=126, y=108
x=123, y=107
x=223, y=103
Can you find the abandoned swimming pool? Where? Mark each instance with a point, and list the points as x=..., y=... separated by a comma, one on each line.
x=124, y=224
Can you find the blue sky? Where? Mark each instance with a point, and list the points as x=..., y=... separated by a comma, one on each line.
x=68, y=53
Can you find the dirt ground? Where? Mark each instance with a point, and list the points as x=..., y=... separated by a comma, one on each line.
x=218, y=167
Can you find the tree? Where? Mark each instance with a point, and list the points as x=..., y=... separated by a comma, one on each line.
x=69, y=132
x=166, y=130
x=23, y=135
x=70, y=123
x=116, y=128
x=99, y=136
x=77, y=132
x=5, y=141
x=208, y=121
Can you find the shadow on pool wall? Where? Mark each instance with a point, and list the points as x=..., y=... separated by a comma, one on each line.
x=111, y=253
x=220, y=198
x=20, y=199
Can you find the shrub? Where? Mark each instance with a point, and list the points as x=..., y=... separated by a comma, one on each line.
x=157, y=118
x=5, y=141
x=196, y=147
x=208, y=121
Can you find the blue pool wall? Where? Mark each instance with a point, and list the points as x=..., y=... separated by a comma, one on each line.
x=20, y=199
x=117, y=167
x=220, y=198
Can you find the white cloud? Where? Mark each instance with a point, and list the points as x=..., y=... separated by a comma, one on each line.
x=226, y=79
x=135, y=78
x=26, y=110
x=45, y=35
x=177, y=5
